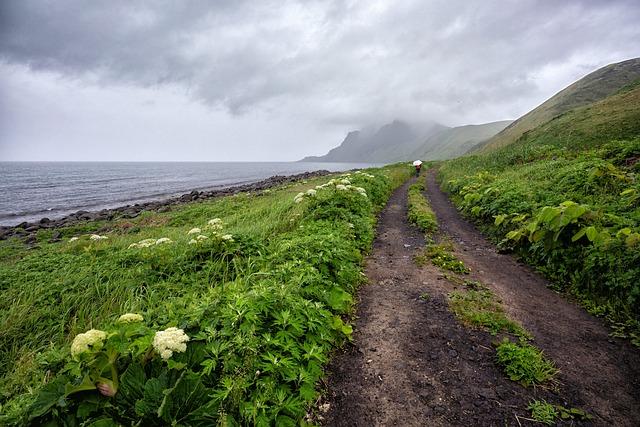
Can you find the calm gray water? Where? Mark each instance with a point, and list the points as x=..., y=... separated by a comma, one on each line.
x=32, y=190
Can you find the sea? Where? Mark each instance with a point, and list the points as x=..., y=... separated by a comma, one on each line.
x=30, y=191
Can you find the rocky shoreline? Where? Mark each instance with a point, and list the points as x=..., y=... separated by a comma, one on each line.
x=28, y=230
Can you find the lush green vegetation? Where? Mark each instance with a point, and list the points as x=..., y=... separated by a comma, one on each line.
x=524, y=363
x=240, y=301
x=566, y=198
x=420, y=212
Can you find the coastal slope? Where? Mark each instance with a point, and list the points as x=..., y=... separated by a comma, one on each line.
x=592, y=88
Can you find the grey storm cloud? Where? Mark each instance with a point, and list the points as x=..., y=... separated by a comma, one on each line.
x=242, y=54
x=344, y=63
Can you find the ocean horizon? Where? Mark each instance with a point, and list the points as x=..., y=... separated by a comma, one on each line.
x=31, y=190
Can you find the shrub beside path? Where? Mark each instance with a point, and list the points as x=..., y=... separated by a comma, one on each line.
x=413, y=363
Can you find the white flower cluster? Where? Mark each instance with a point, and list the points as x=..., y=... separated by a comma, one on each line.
x=350, y=187
x=343, y=184
x=215, y=224
x=130, y=318
x=97, y=237
x=169, y=341
x=300, y=196
x=82, y=342
x=73, y=239
x=365, y=174
x=360, y=190
x=199, y=238
x=150, y=242
x=214, y=227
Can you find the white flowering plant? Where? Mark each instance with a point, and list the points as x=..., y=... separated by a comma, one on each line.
x=240, y=325
x=97, y=355
x=117, y=363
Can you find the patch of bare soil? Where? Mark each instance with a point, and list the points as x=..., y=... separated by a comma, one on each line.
x=412, y=363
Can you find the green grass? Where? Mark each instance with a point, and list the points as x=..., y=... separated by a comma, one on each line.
x=439, y=254
x=543, y=412
x=524, y=363
x=481, y=308
x=420, y=212
x=550, y=414
x=263, y=310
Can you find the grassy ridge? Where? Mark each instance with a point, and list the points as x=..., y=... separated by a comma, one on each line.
x=592, y=88
x=260, y=297
x=420, y=212
x=566, y=198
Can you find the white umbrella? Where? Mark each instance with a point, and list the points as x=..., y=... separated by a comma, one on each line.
x=417, y=163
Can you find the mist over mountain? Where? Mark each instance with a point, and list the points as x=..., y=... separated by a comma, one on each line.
x=392, y=142
x=456, y=141
x=399, y=141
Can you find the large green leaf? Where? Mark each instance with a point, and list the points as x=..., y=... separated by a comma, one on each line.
x=186, y=396
x=50, y=395
x=147, y=407
x=132, y=383
x=338, y=299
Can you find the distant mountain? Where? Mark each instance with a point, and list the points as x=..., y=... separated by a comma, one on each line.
x=454, y=142
x=395, y=141
x=592, y=88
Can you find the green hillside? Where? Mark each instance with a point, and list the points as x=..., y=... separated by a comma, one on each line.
x=565, y=197
x=454, y=142
x=594, y=87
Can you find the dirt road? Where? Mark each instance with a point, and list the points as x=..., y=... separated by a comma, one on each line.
x=413, y=364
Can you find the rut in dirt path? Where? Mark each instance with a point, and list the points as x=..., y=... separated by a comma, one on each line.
x=604, y=372
x=412, y=363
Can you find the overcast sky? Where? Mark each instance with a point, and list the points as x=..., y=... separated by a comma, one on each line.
x=262, y=80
